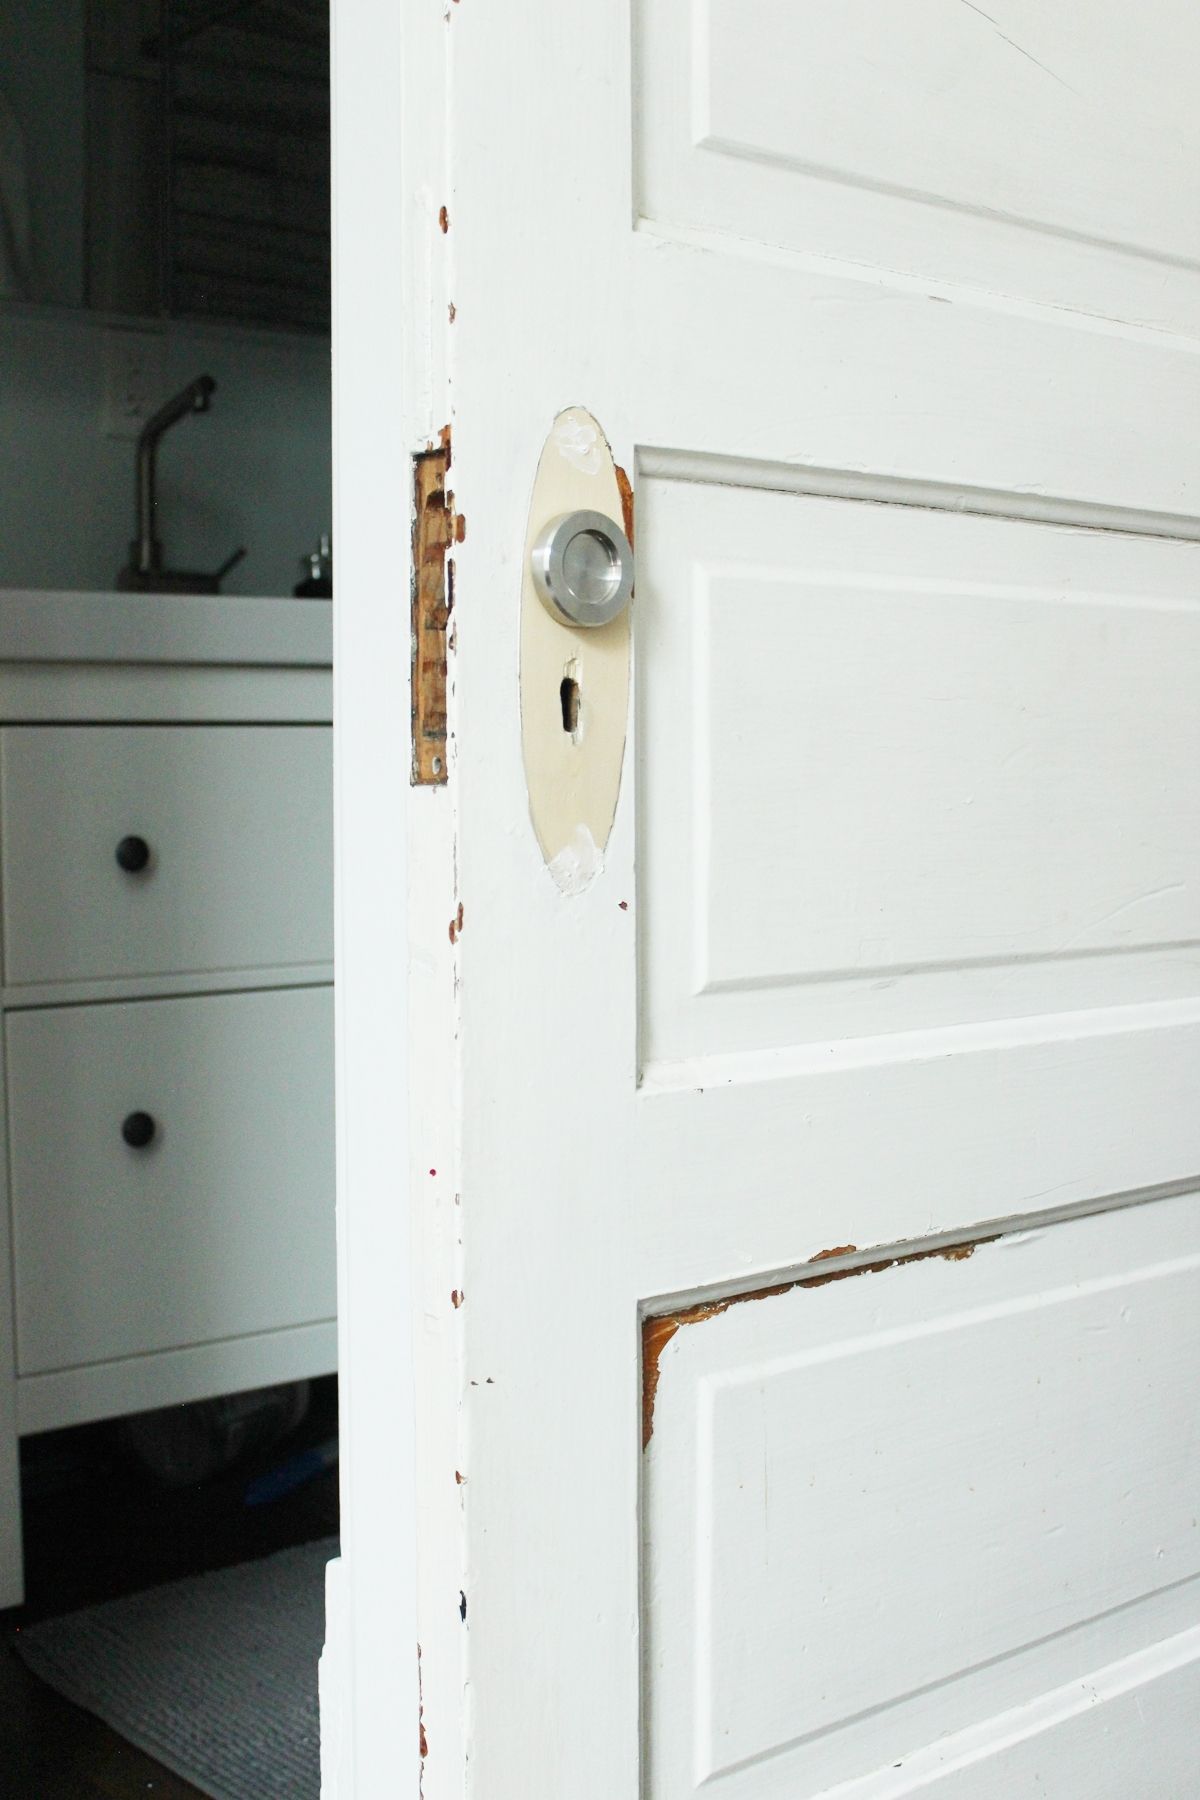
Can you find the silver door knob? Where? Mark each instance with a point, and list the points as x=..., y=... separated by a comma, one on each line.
x=583, y=568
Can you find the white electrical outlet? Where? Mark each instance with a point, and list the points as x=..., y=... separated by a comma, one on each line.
x=134, y=380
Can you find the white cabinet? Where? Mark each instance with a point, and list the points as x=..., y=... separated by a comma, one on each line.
x=221, y=1224
x=235, y=822
x=166, y=849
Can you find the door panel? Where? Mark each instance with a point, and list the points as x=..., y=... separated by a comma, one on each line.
x=1045, y=154
x=903, y=768
x=878, y=1515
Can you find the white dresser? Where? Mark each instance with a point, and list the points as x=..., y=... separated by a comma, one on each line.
x=166, y=946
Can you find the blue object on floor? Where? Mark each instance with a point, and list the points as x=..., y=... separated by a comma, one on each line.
x=292, y=1474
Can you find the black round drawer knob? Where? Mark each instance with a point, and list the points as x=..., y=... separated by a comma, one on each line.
x=133, y=854
x=138, y=1129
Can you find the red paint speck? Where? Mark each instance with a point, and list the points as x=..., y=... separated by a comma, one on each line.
x=624, y=905
x=433, y=1171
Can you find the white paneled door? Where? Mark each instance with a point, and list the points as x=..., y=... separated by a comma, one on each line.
x=807, y=1158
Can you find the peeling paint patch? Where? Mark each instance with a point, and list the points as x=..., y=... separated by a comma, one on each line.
x=456, y=924
x=656, y=1335
x=577, y=863
x=457, y=1298
x=444, y=219
x=436, y=527
x=422, y=1740
x=625, y=489
x=660, y=1328
x=578, y=441
x=836, y=1250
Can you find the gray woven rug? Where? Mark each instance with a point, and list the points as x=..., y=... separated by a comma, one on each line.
x=216, y=1676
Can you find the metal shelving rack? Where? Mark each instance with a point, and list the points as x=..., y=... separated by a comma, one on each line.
x=245, y=130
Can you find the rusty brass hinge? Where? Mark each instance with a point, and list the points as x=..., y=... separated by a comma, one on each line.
x=436, y=527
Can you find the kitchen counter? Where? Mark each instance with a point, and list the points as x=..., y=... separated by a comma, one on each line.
x=38, y=626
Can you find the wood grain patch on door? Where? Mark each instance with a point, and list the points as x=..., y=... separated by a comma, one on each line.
x=574, y=683
x=436, y=528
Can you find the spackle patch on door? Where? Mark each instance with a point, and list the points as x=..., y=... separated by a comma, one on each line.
x=579, y=441
x=574, y=682
x=577, y=863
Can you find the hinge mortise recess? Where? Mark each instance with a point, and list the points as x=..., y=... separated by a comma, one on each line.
x=436, y=527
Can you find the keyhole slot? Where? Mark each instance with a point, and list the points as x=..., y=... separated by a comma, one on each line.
x=568, y=695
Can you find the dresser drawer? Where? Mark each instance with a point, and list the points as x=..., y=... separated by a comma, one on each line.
x=222, y=1224
x=237, y=821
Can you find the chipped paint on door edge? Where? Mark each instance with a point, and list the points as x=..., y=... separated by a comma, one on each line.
x=436, y=528
x=574, y=683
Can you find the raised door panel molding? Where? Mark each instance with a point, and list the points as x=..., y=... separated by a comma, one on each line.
x=881, y=1531
x=1039, y=151
x=905, y=769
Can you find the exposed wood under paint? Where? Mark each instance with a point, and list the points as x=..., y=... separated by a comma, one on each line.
x=422, y=1740
x=660, y=1328
x=625, y=487
x=436, y=527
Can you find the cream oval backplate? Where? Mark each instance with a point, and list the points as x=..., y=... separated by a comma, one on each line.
x=574, y=681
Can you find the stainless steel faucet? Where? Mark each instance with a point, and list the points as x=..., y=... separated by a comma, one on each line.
x=146, y=571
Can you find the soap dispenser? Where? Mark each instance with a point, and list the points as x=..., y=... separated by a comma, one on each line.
x=317, y=583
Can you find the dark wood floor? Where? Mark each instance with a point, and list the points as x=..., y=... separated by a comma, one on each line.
x=50, y=1750
x=97, y=1526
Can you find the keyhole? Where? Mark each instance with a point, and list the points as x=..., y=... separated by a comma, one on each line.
x=568, y=694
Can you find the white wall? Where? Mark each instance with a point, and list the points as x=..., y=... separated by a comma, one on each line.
x=254, y=470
